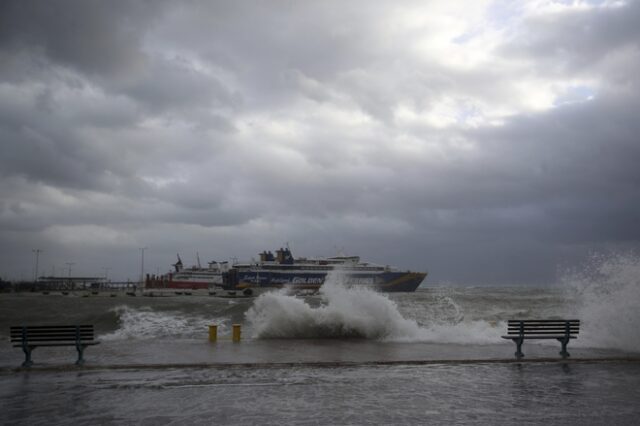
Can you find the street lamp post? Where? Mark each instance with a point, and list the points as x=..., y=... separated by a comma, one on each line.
x=106, y=273
x=69, y=265
x=37, y=252
x=142, y=249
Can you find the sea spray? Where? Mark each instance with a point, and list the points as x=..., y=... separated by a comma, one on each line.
x=607, y=292
x=344, y=312
x=357, y=312
x=145, y=323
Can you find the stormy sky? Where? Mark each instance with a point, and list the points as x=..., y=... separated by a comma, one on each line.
x=488, y=142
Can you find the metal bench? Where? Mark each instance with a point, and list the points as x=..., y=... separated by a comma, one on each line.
x=561, y=330
x=30, y=337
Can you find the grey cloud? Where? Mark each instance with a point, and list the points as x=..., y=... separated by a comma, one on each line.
x=93, y=36
x=42, y=147
x=576, y=40
x=563, y=167
x=175, y=86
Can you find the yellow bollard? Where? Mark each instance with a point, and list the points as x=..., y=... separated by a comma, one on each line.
x=236, y=332
x=213, y=333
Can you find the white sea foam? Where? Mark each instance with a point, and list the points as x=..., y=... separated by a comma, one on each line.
x=607, y=290
x=355, y=312
x=145, y=323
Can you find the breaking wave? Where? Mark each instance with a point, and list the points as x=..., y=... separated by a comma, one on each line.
x=349, y=312
x=145, y=323
x=607, y=291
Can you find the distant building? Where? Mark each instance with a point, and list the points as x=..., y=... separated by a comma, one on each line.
x=72, y=283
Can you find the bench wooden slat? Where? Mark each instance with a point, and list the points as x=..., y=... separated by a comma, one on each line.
x=551, y=327
x=52, y=336
x=62, y=344
x=52, y=333
x=47, y=332
x=560, y=329
x=50, y=329
x=74, y=337
x=542, y=328
x=555, y=333
x=540, y=336
x=545, y=321
x=26, y=330
x=534, y=330
x=571, y=324
x=28, y=335
x=537, y=337
x=47, y=327
x=534, y=327
x=542, y=332
x=525, y=328
x=58, y=339
x=69, y=337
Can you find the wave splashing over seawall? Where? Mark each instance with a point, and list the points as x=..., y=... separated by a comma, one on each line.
x=354, y=312
x=145, y=323
x=345, y=312
x=608, y=293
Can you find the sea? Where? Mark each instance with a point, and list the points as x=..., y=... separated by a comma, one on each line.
x=344, y=356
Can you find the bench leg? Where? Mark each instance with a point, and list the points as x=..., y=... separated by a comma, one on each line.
x=80, y=360
x=564, y=352
x=27, y=356
x=518, y=342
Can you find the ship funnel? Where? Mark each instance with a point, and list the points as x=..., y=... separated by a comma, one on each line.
x=178, y=264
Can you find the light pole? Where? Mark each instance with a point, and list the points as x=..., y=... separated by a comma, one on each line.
x=142, y=249
x=69, y=265
x=37, y=252
x=106, y=272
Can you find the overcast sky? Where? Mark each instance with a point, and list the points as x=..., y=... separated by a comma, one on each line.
x=488, y=142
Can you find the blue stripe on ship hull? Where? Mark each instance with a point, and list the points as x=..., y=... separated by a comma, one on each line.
x=385, y=281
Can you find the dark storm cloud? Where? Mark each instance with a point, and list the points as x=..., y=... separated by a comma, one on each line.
x=174, y=85
x=573, y=41
x=93, y=36
x=415, y=134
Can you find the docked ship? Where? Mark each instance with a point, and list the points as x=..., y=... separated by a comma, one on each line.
x=283, y=270
x=190, y=278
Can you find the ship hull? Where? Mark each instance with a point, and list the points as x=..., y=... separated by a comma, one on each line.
x=191, y=285
x=390, y=281
x=182, y=284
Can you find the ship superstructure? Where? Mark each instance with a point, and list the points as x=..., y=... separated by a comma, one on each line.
x=282, y=269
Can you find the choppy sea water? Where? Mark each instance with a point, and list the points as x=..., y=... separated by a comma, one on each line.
x=350, y=327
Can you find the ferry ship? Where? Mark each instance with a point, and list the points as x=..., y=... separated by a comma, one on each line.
x=283, y=270
x=191, y=278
